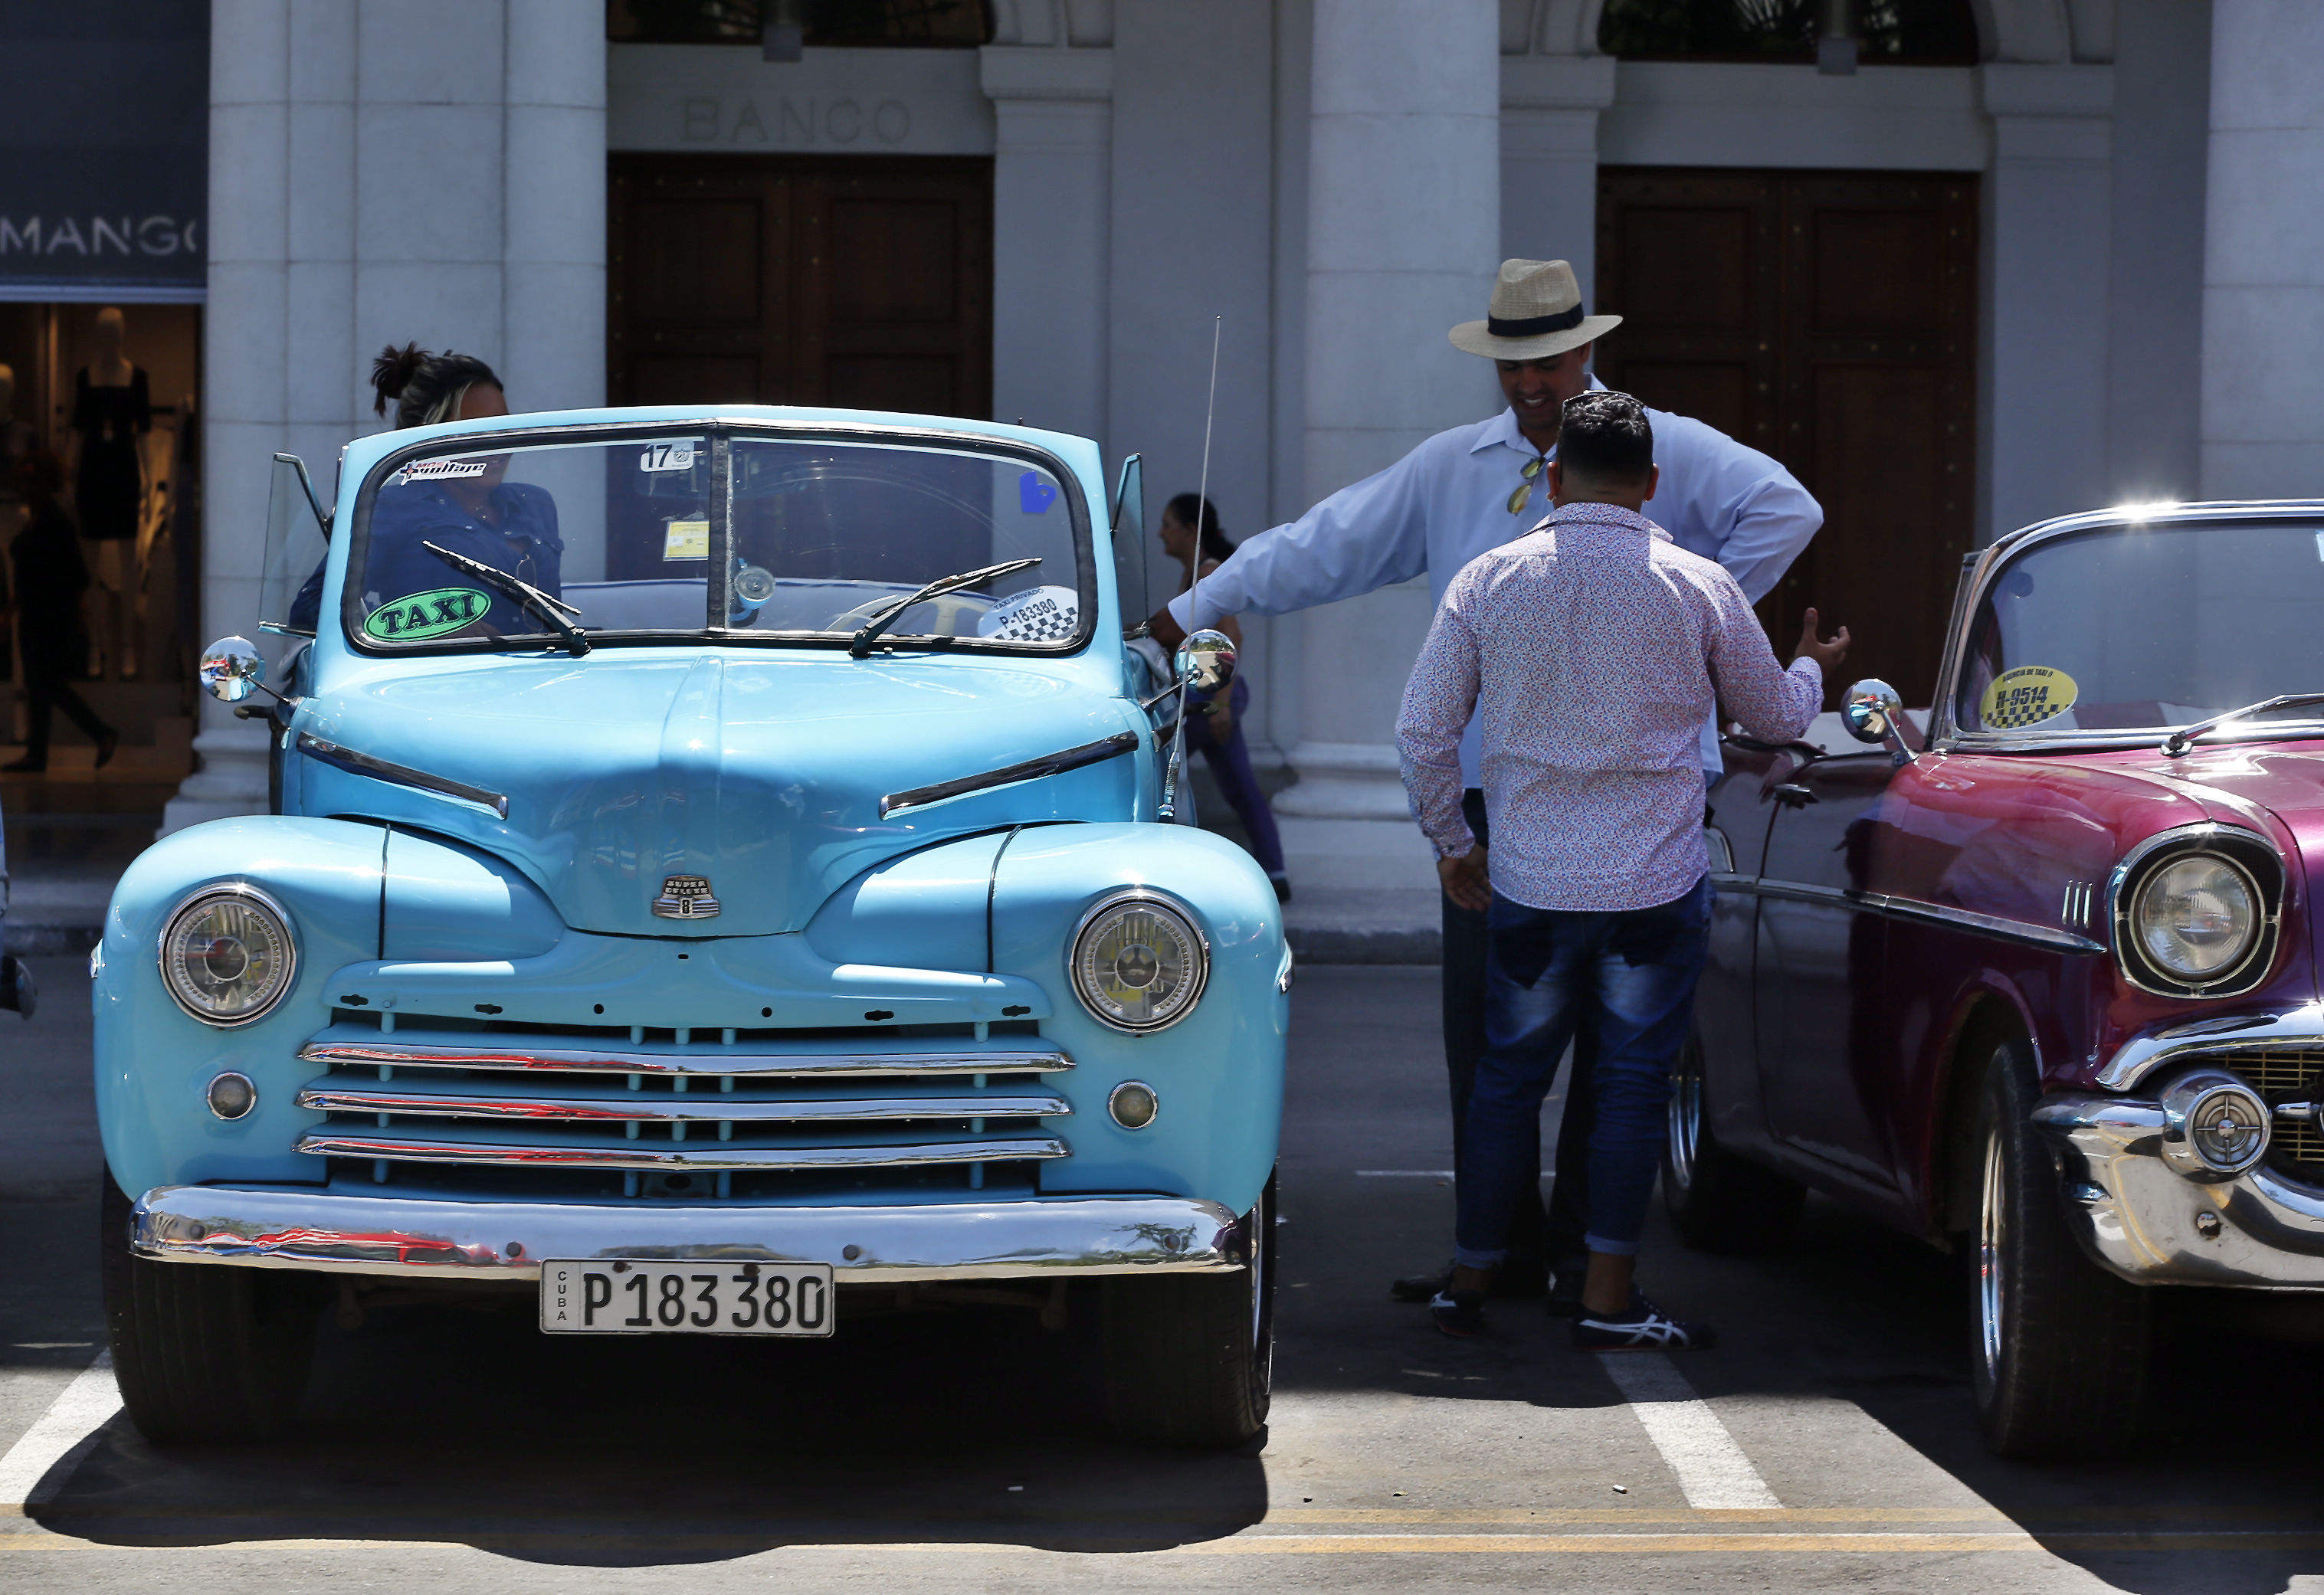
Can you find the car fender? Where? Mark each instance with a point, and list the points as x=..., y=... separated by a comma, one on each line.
x=154, y=1061
x=1218, y=1072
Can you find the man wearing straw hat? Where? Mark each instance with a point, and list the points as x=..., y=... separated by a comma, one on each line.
x=1456, y=495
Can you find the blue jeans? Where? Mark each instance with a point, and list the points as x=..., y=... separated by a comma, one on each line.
x=1629, y=978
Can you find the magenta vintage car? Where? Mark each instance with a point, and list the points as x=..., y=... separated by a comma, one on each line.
x=2041, y=984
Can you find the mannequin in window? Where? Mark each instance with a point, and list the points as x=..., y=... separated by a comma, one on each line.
x=17, y=439
x=113, y=412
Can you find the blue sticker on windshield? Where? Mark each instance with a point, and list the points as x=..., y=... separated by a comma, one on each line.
x=1034, y=492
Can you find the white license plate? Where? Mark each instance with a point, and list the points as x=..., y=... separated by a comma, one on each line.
x=622, y=1297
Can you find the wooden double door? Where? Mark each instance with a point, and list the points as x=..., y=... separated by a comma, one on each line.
x=1828, y=318
x=862, y=281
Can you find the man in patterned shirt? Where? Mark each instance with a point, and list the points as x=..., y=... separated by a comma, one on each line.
x=1592, y=651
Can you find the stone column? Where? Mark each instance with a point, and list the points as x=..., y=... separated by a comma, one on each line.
x=1404, y=230
x=1549, y=160
x=1052, y=221
x=380, y=171
x=2263, y=252
x=2050, y=206
x=553, y=284
x=254, y=134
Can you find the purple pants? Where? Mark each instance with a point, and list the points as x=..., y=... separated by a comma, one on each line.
x=1229, y=762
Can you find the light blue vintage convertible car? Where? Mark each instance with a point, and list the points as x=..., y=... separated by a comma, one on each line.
x=719, y=871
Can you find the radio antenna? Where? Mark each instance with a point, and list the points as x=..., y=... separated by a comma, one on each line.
x=1169, y=809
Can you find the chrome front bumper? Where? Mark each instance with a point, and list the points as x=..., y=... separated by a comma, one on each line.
x=2152, y=1225
x=297, y=1226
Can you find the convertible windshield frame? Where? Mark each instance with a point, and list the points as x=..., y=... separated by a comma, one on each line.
x=722, y=433
x=1946, y=734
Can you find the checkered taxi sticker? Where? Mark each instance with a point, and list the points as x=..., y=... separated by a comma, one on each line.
x=1039, y=615
x=2027, y=695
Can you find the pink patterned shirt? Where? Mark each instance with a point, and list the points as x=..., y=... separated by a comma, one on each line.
x=1591, y=649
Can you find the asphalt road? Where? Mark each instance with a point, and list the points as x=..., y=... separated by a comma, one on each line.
x=1827, y=1444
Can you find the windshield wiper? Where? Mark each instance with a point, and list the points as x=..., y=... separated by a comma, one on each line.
x=887, y=617
x=522, y=591
x=2176, y=744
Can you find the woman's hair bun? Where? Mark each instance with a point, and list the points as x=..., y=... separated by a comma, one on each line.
x=392, y=371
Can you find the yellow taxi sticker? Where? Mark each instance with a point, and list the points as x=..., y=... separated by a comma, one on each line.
x=2027, y=695
x=687, y=539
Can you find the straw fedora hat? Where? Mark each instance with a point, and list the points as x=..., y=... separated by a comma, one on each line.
x=1536, y=312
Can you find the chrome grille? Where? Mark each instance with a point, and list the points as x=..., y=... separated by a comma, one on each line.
x=662, y=1113
x=2284, y=1074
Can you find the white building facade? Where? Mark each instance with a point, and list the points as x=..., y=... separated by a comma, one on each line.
x=2139, y=269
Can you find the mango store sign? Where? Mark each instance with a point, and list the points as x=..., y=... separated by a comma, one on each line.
x=710, y=97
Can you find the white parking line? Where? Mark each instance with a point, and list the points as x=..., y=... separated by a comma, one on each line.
x=66, y=1432
x=1711, y=1468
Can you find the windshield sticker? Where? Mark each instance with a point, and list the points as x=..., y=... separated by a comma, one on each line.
x=687, y=539
x=436, y=470
x=1034, y=494
x=427, y=614
x=1037, y=614
x=667, y=457
x=2027, y=695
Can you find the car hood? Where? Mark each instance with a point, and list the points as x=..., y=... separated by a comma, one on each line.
x=761, y=775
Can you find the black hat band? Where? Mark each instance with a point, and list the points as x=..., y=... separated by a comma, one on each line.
x=1534, y=325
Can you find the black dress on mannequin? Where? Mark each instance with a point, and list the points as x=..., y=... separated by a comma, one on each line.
x=110, y=420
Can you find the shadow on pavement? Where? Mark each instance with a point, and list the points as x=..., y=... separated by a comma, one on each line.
x=466, y=1426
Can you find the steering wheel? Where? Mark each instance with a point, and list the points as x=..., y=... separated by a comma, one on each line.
x=957, y=614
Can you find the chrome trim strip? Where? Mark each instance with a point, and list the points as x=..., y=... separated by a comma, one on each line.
x=2268, y=1030
x=1058, y=763
x=1911, y=909
x=333, y=1096
x=684, y=1155
x=433, y=1054
x=401, y=775
x=415, y=1238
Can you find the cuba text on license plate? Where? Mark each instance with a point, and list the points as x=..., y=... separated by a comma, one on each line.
x=605, y=1296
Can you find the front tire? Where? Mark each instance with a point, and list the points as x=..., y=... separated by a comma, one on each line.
x=1190, y=1358
x=1717, y=1201
x=2058, y=1345
x=204, y=1353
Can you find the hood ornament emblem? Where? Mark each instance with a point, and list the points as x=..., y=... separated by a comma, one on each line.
x=685, y=897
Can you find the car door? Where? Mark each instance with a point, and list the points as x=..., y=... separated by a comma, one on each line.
x=1819, y=965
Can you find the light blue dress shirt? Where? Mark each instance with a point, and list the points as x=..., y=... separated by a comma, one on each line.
x=1448, y=500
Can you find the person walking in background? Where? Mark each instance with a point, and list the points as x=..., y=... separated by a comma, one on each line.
x=1591, y=651
x=1217, y=734
x=50, y=579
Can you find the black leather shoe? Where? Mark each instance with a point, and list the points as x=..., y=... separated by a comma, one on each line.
x=1420, y=1288
x=1565, y=1289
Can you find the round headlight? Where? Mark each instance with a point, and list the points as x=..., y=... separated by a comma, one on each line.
x=227, y=956
x=2197, y=917
x=1138, y=965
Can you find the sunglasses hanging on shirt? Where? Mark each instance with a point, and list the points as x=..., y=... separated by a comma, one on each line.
x=1524, y=493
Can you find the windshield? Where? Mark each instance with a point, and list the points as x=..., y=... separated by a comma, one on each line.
x=2146, y=627
x=723, y=535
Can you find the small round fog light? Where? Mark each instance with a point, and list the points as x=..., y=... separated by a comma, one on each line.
x=1133, y=1104
x=232, y=1095
x=2228, y=1128
x=2221, y=1124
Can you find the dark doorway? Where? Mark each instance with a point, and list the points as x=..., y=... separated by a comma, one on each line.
x=1829, y=320
x=775, y=279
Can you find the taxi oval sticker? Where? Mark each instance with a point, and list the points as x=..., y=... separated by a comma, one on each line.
x=427, y=614
x=2027, y=695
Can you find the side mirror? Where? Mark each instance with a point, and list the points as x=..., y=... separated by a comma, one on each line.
x=1874, y=713
x=1206, y=661
x=232, y=669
